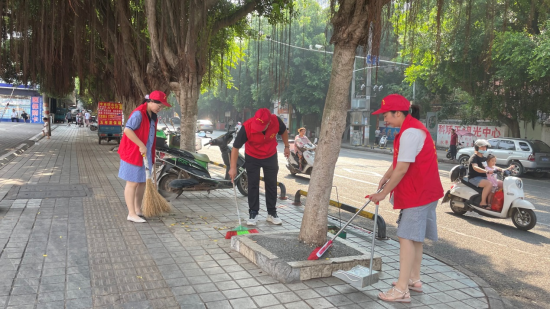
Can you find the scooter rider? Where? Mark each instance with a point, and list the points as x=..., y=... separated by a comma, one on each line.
x=259, y=135
x=299, y=142
x=477, y=174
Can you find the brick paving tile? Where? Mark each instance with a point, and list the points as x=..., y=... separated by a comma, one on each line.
x=71, y=247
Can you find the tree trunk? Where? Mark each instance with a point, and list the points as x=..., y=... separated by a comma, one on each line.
x=512, y=124
x=314, y=222
x=188, y=96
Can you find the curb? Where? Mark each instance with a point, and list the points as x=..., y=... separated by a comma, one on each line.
x=6, y=158
x=366, y=149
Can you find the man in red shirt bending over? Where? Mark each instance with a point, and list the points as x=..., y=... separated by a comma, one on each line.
x=259, y=134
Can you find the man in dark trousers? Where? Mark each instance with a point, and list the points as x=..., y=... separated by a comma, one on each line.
x=454, y=142
x=259, y=134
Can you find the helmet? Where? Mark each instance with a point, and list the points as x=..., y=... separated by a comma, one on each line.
x=482, y=142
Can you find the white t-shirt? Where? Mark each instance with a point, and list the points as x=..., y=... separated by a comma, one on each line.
x=410, y=144
x=87, y=116
x=14, y=114
x=377, y=133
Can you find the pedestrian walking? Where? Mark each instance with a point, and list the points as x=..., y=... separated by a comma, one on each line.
x=377, y=136
x=14, y=115
x=69, y=117
x=259, y=135
x=87, y=118
x=138, y=141
x=415, y=186
x=46, y=128
x=454, y=142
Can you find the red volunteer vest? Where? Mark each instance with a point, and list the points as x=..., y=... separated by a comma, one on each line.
x=261, y=146
x=128, y=150
x=421, y=184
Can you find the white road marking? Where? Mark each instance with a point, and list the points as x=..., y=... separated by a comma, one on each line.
x=362, y=172
x=491, y=242
x=369, y=183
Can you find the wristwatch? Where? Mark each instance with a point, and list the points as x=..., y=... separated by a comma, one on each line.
x=287, y=146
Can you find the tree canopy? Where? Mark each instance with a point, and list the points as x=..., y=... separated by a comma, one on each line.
x=495, y=51
x=124, y=49
x=273, y=71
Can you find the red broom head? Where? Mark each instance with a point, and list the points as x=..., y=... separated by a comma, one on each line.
x=230, y=234
x=319, y=251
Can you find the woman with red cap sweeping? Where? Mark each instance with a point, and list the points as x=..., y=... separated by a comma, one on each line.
x=413, y=179
x=259, y=133
x=138, y=141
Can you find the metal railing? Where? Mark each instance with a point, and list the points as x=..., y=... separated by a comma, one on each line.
x=380, y=222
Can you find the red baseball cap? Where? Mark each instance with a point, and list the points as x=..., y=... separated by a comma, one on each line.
x=393, y=102
x=261, y=119
x=159, y=96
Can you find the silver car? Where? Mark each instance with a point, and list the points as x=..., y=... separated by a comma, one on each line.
x=527, y=155
x=205, y=126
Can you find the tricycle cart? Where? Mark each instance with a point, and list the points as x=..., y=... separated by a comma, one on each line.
x=109, y=120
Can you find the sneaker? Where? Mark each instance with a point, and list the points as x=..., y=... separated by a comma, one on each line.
x=252, y=220
x=274, y=219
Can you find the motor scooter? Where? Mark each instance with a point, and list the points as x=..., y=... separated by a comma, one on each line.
x=182, y=170
x=308, y=156
x=464, y=196
x=383, y=141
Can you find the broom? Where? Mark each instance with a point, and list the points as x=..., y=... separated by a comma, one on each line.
x=239, y=230
x=153, y=203
x=319, y=251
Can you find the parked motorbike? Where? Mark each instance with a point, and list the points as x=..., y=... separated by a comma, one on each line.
x=464, y=196
x=93, y=125
x=383, y=141
x=182, y=170
x=307, y=162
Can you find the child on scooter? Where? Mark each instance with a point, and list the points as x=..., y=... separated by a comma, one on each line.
x=492, y=177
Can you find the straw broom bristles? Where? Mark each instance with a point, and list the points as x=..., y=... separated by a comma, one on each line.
x=153, y=204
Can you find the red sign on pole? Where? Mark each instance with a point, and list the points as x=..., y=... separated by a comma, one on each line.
x=109, y=113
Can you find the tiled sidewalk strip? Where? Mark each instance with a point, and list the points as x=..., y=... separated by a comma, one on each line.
x=82, y=253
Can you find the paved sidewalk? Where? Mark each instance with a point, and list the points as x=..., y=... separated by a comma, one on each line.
x=66, y=244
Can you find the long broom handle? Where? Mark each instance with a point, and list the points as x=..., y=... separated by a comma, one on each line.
x=147, y=168
x=372, y=245
x=236, y=204
x=355, y=215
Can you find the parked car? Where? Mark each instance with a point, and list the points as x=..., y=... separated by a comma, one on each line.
x=529, y=156
x=205, y=125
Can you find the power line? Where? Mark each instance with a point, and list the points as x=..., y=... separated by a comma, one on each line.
x=327, y=52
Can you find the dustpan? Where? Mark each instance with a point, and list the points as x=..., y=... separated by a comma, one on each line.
x=361, y=276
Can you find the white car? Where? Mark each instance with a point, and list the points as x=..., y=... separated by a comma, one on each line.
x=527, y=155
x=205, y=126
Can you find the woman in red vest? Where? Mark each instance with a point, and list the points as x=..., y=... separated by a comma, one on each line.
x=139, y=141
x=413, y=179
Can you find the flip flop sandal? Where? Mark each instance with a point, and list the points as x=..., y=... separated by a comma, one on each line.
x=412, y=286
x=485, y=206
x=395, y=295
